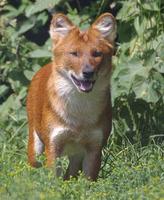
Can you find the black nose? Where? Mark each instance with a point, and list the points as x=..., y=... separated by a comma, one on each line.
x=88, y=74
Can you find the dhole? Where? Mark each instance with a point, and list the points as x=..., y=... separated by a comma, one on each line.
x=68, y=103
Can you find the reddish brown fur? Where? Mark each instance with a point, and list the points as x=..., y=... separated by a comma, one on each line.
x=43, y=97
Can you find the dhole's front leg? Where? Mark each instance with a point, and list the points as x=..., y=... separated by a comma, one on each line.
x=50, y=155
x=52, y=152
x=92, y=163
x=75, y=165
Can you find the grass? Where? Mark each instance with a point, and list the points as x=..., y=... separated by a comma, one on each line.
x=130, y=173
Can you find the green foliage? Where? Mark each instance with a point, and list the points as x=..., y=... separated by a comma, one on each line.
x=137, y=81
x=140, y=58
x=40, y=6
x=128, y=174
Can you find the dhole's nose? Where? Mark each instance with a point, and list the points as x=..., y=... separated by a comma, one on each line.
x=88, y=73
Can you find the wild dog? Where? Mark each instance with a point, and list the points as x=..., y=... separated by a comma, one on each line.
x=69, y=101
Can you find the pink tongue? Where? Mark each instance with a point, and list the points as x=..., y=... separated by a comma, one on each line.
x=85, y=85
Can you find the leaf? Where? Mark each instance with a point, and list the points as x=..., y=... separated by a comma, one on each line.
x=144, y=90
x=140, y=25
x=22, y=93
x=149, y=58
x=159, y=67
x=138, y=81
x=152, y=6
x=12, y=11
x=137, y=24
x=160, y=46
x=29, y=74
x=39, y=6
x=129, y=75
x=26, y=26
x=35, y=67
x=3, y=90
x=7, y=105
x=17, y=79
x=40, y=53
x=158, y=82
x=128, y=11
x=136, y=67
x=42, y=17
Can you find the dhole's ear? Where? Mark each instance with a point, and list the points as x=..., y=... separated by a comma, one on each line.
x=60, y=26
x=106, y=25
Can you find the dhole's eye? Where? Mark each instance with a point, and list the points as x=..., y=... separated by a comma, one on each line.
x=74, y=53
x=96, y=53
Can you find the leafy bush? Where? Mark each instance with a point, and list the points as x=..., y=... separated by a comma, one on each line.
x=138, y=83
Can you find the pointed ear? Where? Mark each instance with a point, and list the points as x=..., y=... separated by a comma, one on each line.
x=60, y=26
x=106, y=25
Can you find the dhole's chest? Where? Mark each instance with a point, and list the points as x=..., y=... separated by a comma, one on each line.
x=81, y=110
x=71, y=142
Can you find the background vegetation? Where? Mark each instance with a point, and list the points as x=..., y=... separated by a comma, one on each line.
x=132, y=162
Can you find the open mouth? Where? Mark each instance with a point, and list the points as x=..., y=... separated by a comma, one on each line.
x=84, y=85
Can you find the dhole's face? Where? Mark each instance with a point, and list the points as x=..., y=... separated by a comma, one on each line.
x=82, y=57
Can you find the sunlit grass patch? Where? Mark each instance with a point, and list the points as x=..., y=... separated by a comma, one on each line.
x=136, y=174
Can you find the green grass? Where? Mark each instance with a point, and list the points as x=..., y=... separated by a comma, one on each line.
x=130, y=173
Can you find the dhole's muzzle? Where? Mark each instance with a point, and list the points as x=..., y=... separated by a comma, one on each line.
x=85, y=81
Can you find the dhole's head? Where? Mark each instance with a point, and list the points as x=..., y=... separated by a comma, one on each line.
x=83, y=56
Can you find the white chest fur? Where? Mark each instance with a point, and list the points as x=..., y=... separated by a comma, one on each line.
x=74, y=142
x=80, y=108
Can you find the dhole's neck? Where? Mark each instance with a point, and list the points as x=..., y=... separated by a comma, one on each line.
x=73, y=106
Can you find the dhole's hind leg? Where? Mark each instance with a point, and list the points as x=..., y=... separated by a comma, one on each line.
x=35, y=147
